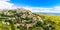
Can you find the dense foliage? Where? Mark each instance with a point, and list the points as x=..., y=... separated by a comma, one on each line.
x=21, y=19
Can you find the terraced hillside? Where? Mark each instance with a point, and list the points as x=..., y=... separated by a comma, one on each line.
x=22, y=19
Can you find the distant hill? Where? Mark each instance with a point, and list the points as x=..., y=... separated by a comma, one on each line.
x=58, y=14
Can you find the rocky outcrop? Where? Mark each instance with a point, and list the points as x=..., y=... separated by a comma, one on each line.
x=21, y=17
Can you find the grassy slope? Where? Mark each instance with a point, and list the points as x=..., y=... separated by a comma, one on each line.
x=55, y=18
x=43, y=16
x=4, y=26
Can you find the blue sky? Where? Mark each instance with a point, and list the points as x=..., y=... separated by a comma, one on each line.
x=47, y=6
x=36, y=3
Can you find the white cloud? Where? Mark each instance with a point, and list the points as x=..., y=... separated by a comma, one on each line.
x=55, y=9
x=6, y=5
x=4, y=0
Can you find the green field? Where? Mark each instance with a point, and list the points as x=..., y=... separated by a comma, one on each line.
x=54, y=18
